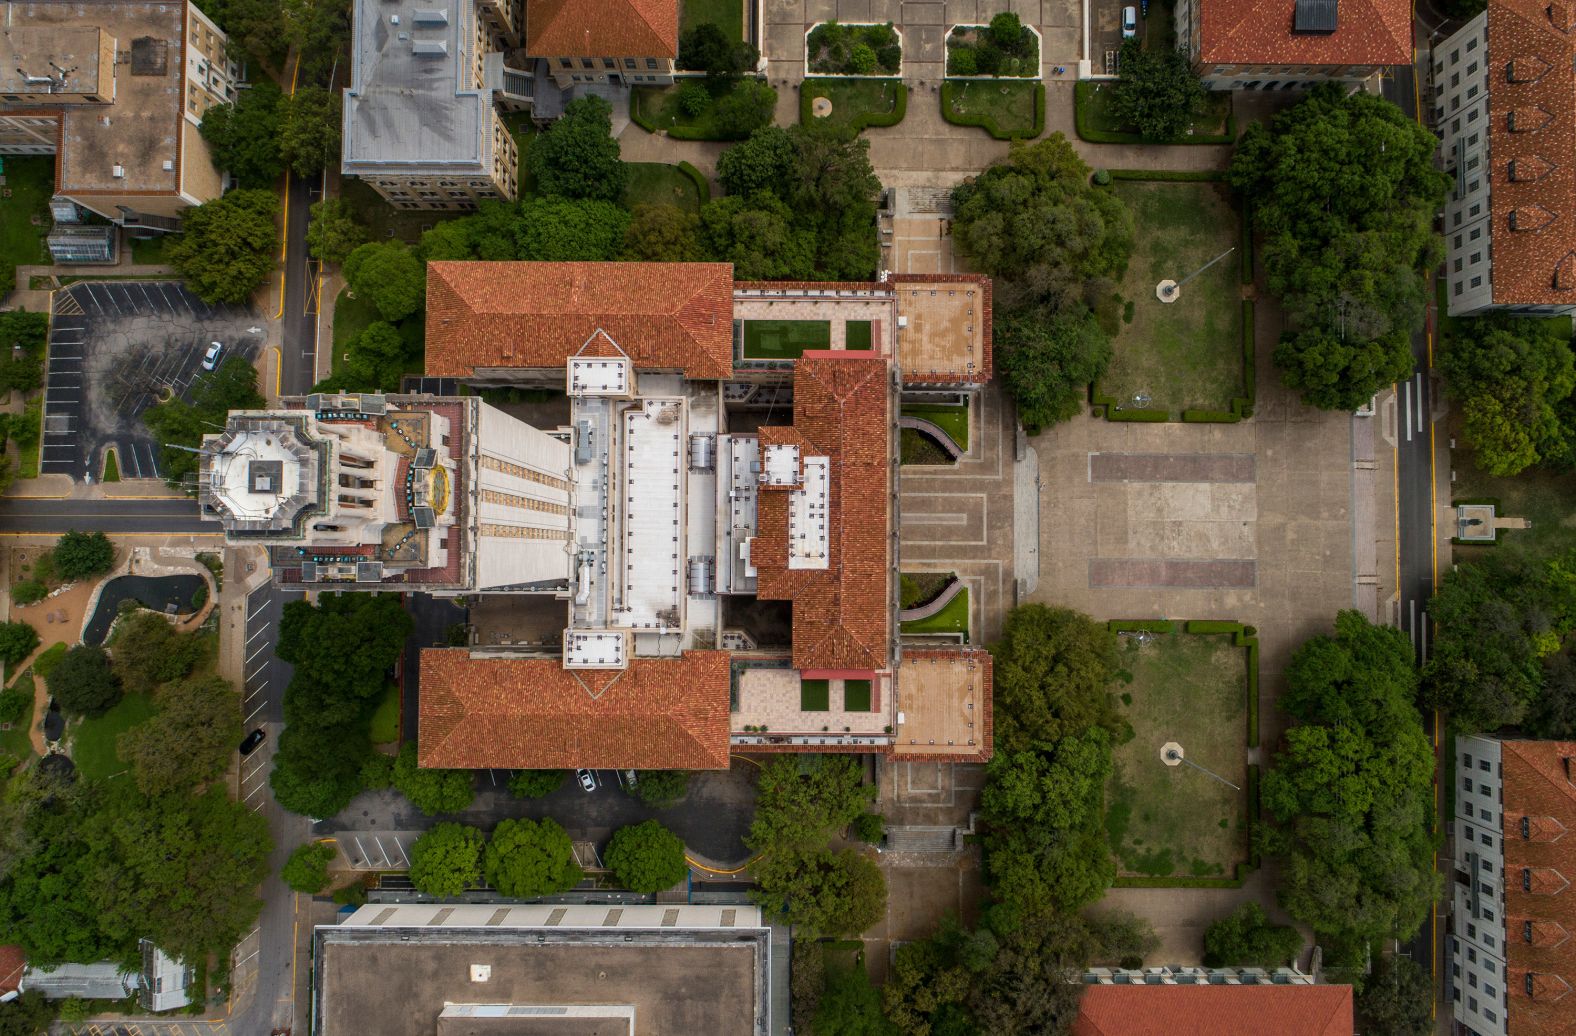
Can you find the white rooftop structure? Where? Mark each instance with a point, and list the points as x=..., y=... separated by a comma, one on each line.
x=596, y=649
x=256, y=474
x=600, y=376
x=808, y=536
x=652, y=578
x=782, y=465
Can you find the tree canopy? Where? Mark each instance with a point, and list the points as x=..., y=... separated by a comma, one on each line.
x=646, y=857
x=578, y=156
x=389, y=276
x=229, y=245
x=83, y=683
x=332, y=232
x=803, y=801
x=822, y=891
x=183, y=422
x=432, y=791
x=536, y=784
x=1247, y=938
x=1351, y=789
x=1052, y=670
x=1049, y=361
x=22, y=371
x=1513, y=378
x=663, y=234
x=527, y=858
x=80, y=555
x=307, y=868
x=446, y=860
x=1501, y=622
x=191, y=739
x=1397, y=998
x=146, y=651
x=309, y=128
x=243, y=135
x=17, y=641
x=706, y=48
x=660, y=789
x=1156, y=92
x=1343, y=190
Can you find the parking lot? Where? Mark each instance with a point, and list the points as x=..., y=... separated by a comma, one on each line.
x=1105, y=30
x=117, y=347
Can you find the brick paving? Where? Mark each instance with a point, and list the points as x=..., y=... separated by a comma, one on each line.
x=1169, y=572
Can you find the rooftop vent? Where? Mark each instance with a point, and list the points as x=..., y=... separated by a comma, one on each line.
x=430, y=16
x=430, y=48
x=118, y=172
x=1528, y=68
x=1530, y=217
x=1315, y=16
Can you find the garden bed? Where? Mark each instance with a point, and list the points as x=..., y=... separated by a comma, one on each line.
x=954, y=420
x=836, y=49
x=660, y=109
x=1174, y=821
x=917, y=589
x=1005, y=47
x=1006, y=109
x=657, y=183
x=856, y=103
x=915, y=447
x=1093, y=119
x=1182, y=360
x=954, y=618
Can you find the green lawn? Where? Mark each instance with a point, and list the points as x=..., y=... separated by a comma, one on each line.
x=954, y=420
x=857, y=335
x=856, y=695
x=727, y=15
x=656, y=183
x=1185, y=354
x=1003, y=106
x=16, y=743
x=855, y=102
x=93, y=743
x=657, y=108
x=1547, y=500
x=351, y=317
x=29, y=184
x=915, y=447
x=47, y=659
x=150, y=251
x=385, y=721
x=954, y=618
x=1173, y=820
x=784, y=339
x=814, y=695
x=1094, y=120
x=384, y=221
x=111, y=467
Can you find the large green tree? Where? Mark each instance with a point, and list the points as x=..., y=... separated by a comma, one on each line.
x=1513, y=378
x=1052, y=670
x=1157, y=92
x=307, y=868
x=146, y=651
x=1246, y=937
x=309, y=127
x=189, y=742
x=1397, y=998
x=646, y=857
x=17, y=641
x=83, y=683
x=1343, y=190
x=181, y=422
x=570, y=230
x=804, y=801
x=577, y=156
x=22, y=340
x=229, y=245
x=1350, y=791
x=527, y=858
x=1033, y=221
x=446, y=860
x=1336, y=373
x=660, y=789
x=243, y=135
x=332, y=232
x=536, y=784
x=81, y=555
x=387, y=274
x=662, y=234
x=432, y=791
x=1049, y=361
x=820, y=890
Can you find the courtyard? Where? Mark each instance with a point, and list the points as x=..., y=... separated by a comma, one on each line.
x=1186, y=354
x=1165, y=820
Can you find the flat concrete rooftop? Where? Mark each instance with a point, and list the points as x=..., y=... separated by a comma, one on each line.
x=397, y=981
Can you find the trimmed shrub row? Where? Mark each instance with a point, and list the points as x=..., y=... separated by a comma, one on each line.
x=1141, y=626
x=867, y=120
x=987, y=123
x=1083, y=122
x=698, y=178
x=1185, y=882
x=1099, y=399
x=637, y=111
x=1170, y=175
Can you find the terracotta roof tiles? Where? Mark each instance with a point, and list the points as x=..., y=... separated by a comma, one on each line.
x=532, y=713
x=602, y=28
x=1538, y=785
x=534, y=315
x=1257, y=1010
x=1259, y=32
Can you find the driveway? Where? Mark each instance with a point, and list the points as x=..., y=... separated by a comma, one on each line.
x=116, y=347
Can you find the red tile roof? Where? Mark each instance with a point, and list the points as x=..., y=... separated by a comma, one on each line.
x=841, y=614
x=602, y=28
x=1259, y=1010
x=532, y=713
x=1538, y=785
x=1259, y=32
x=1534, y=260
x=662, y=315
x=12, y=961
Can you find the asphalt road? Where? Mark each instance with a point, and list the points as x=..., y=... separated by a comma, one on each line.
x=298, y=317
x=53, y=517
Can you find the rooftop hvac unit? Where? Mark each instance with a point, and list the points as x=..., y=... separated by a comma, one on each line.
x=430, y=16
x=430, y=48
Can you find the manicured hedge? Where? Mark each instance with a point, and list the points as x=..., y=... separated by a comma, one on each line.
x=1185, y=882
x=1254, y=816
x=1083, y=90
x=698, y=178
x=1247, y=243
x=988, y=124
x=1141, y=626
x=868, y=120
x=1111, y=413
x=1176, y=175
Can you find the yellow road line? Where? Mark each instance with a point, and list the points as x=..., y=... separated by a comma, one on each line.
x=712, y=870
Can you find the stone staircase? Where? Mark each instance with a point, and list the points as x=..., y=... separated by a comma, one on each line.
x=922, y=839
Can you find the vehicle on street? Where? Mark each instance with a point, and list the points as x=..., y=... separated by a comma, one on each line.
x=253, y=740
x=1129, y=22
x=587, y=780
x=210, y=359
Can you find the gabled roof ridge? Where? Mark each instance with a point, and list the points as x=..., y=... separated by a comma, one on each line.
x=1565, y=788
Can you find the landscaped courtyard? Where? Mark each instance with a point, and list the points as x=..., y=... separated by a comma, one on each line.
x=783, y=339
x=1174, y=821
x=1186, y=354
x=853, y=103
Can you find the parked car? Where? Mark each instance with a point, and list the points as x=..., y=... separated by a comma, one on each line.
x=210, y=359
x=253, y=741
x=587, y=780
x=629, y=778
x=1129, y=22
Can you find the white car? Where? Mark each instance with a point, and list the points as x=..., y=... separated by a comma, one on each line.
x=587, y=780
x=210, y=359
x=1129, y=22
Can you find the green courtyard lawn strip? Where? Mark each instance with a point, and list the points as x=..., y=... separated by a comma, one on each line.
x=784, y=339
x=954, y=420
x=856, y=335
x=1007, y=109
x=93, y=743
x=1174, y=823
x=856, y=103
x=954, y=618
x=1093, y=120
x=856, y=695
x=1172, y=357
x=384, y=728
x=16, y=743
x=1547, y=499
x=727, y=15
x=657, y=183
x=814, y=695
x=24, y=215
x=111, y=467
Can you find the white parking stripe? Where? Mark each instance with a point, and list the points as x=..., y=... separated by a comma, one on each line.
x=254, y=654
x=260, y=631
x=255, y=711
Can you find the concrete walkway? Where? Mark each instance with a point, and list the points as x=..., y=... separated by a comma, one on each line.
x=25, y=274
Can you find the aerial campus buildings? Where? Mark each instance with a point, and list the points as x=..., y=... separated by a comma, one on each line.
x=696, y=552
